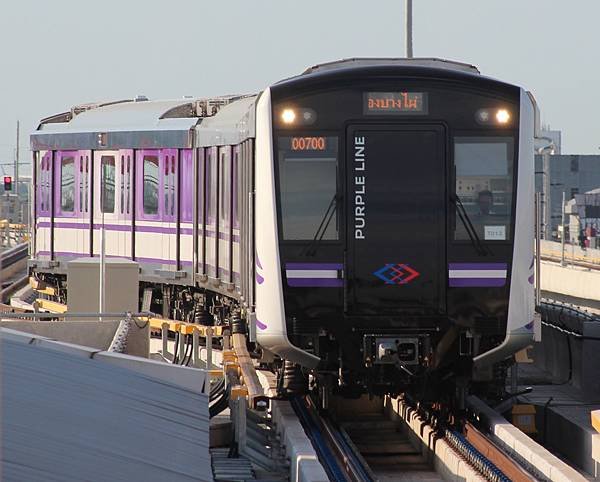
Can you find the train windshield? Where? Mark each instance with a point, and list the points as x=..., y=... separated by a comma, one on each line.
x=484, y=180
x=308, y=185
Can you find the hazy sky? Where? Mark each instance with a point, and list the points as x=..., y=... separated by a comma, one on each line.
x=57, y=53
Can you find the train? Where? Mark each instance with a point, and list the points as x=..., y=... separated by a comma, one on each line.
x=368, y=223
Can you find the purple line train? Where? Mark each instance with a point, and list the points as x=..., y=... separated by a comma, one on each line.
x=368, y=222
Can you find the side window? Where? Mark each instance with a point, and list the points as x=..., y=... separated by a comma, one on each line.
x=169, y=186
x=236, y=168
x=186, y=186
x=86, y=194
x=107, y=184
x=67, y=184
x=44, y=183
x=122, y=186
x=484, y=186
x=128, y=185
x=150, y=193
x=83, y=183
x=211, y=185
x=574, y=163
x=224, y=190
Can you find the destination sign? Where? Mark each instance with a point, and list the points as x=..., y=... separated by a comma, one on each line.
x=395, y=103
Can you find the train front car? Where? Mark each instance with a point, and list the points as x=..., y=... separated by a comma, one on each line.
x=395, y=222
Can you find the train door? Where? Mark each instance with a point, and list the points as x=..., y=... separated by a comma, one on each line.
x=185, y=182
x=396, y=219
x=83, y=165
x=124, y=193
x=201, y=269
x=66, y=203
x=169, y=160
x=106, y=203
x=43, y=234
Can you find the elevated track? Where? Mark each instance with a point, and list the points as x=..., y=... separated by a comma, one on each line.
x=13, y=271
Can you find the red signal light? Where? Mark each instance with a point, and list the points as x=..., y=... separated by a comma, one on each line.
x=7, y=183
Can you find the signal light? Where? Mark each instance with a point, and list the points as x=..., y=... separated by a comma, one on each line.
x=7, y=183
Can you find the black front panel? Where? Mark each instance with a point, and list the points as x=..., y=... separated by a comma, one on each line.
x=440, y=148
x=396, y=220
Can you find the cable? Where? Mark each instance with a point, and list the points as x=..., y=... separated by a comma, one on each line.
x=221, y=404
x=175, y=357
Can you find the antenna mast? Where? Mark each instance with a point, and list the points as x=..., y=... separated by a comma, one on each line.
x=409, y=27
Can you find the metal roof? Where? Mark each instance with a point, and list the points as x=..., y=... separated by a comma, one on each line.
x=68, y=417
x=431, y=62
x=122, y=116
x=234, y=123
x=148, y=124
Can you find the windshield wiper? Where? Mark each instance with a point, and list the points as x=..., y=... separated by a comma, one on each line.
x=311, y=248
x=481, y=249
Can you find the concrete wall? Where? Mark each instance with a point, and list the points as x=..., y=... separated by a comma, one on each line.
x=572, y=252
x=572, y=281
x=94, y=334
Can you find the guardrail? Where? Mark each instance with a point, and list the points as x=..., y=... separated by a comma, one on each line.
x=13, y=255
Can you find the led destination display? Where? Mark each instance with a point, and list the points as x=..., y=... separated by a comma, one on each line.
x=395, y=103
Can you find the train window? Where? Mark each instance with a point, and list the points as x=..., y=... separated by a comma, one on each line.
x=211, y=178
x=67, y=184
x=107, y=164
x=225, y=190
x=81, y=184
x=122, y=185
x=172, y=187
x=308, y=185
x=128, y=185
x=45, y=175
x=87, y=184
x=150, y=193
x=484, y=180
x=236, y=187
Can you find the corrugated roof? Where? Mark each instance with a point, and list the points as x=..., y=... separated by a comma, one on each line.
x=67, y=417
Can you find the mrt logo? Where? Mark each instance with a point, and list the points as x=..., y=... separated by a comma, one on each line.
x=396, y=274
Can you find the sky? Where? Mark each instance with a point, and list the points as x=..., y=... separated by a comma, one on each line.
x=58, y=53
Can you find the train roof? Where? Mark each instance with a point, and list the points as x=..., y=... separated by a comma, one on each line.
x=429, y=62
x=360, y=69
x=147, y=124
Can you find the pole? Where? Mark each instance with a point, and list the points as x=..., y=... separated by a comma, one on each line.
x=409, y=40
x=102, y=244
x=17, y=161
x=547, y=213
x=538, y=233
x=562, y=238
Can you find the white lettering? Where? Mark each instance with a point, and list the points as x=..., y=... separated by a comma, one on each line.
x=360, y=220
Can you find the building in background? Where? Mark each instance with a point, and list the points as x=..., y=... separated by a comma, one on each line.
x=569, y=173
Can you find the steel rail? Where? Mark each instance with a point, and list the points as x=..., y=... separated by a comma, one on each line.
x=496, y=455
x=326, y=453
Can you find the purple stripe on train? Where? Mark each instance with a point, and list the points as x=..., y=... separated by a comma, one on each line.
x=260, y=324
x=138, y=228
x=477, y=275
x=317, y=275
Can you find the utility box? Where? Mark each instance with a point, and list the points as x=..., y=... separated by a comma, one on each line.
x=120, y=285
x=121, y=295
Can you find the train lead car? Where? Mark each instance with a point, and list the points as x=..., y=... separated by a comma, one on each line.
x=369, y=221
